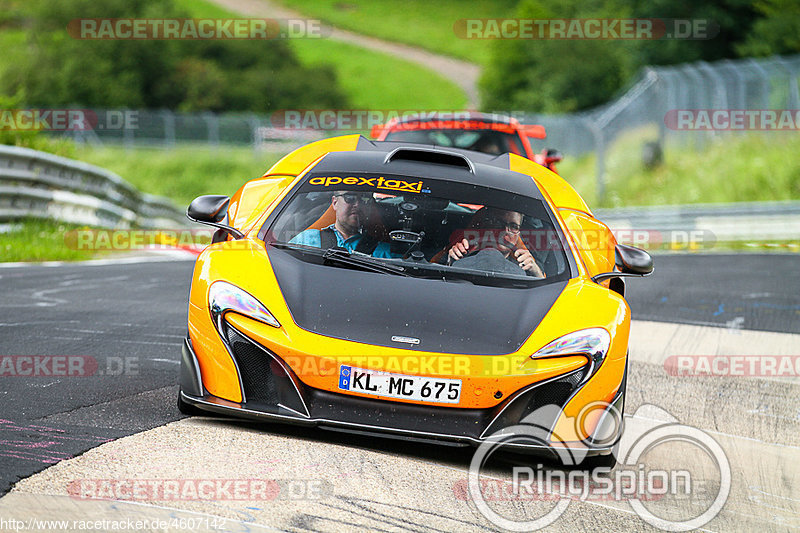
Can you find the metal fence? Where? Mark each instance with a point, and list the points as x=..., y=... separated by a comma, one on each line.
x=35, y=184
x=761, y=225
x=744, y=84
x=651, y=105
x=165, y=129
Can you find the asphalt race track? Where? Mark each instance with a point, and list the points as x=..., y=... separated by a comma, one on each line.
x=757, y=292
x=132, y=314
x=124, y=322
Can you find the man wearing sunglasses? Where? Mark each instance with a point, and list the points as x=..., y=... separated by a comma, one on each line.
x=501, y=229
x=347, y=232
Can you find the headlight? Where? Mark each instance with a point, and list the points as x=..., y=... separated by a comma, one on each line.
x=592, y=342
x=224, y=297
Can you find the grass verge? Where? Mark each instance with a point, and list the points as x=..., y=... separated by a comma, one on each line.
x=12, y=43
x=415, y=22
x=184, y=172
x=729, y=168
x=371, y=80
x=41, y=240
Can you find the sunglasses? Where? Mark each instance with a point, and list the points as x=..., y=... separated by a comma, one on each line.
x=352, y=198
x=498, y=223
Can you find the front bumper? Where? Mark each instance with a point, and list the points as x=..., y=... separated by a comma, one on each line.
x=273, y=393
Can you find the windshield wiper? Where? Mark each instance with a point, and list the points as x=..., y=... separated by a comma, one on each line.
x=344, y=257
x=412, y=269
x=292, y=246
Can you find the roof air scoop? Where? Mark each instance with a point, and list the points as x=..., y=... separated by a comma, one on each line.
x=426, y=155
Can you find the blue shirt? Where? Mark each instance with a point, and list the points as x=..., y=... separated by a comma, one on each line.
x=312, y=237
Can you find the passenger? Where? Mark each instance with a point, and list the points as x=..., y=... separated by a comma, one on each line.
x=487, y=145
x=347, y=231
x=504, y=229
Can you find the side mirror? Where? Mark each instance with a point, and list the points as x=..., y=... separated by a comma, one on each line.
x=631, y=262
x=211, y=209
x=376, y=131
x=208, y=208
x=552, y=156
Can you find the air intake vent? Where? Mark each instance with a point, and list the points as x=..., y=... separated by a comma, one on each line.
x=430, y=156
x=555, y=393
x=255, y=365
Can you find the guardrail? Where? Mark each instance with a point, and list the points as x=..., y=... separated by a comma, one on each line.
x=756, y=222
x=36, y=184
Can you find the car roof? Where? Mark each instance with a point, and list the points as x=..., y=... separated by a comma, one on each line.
x=461, y=115
x=422, y=160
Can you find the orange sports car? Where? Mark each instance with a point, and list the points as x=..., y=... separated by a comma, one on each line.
x=410, y=291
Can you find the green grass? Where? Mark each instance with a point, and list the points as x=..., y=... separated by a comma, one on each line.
x=371, y=80
x=184, y=172
x=41, y=240
x=376, y=81
x=12, y=42
x=731, y=168
x=416, y=22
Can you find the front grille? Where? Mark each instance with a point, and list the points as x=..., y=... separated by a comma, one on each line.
x=556, y=393
x=553, y=393
x=255, y=367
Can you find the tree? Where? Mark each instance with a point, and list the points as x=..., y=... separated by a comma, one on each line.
x=777, y=32
x=557, y=75
x=730, y=20
x=190, y=75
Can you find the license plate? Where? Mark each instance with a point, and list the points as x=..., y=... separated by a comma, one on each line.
x=439, y=390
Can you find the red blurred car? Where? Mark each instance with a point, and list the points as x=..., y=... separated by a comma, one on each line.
x=482, y=132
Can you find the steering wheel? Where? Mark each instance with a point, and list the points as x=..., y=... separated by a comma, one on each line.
x=512, y=246
x=473, y=244
x=489, y=259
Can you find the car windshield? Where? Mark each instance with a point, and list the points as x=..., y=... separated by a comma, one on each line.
x=481, y=140
x=412, y=224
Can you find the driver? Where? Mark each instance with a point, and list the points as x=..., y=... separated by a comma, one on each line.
x=507, y=226
x=346, y=232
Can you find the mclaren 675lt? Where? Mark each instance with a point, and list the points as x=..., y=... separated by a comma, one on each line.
x=411, y=291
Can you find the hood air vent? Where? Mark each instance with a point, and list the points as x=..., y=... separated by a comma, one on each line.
x=430, y=156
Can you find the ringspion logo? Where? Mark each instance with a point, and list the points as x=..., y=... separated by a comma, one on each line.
x=634, y=480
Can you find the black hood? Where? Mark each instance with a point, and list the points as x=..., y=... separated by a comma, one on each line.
x=447, y=317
